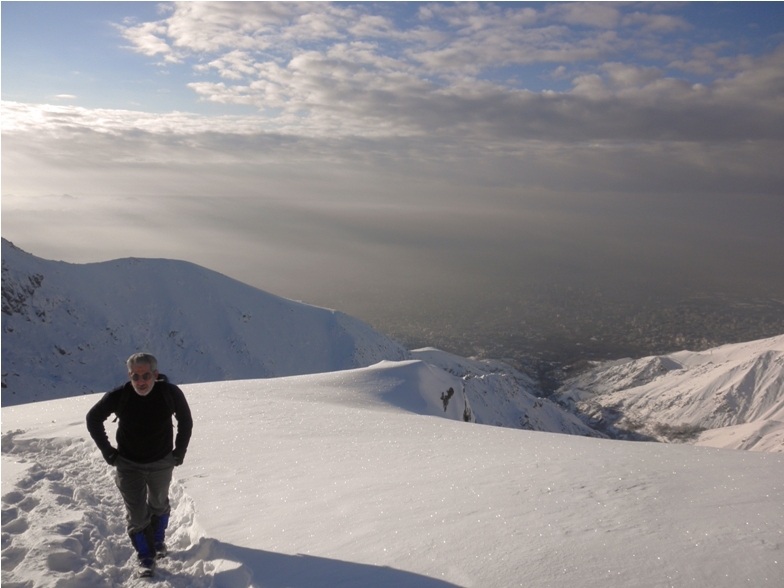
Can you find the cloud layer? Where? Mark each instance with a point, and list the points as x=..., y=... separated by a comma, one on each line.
x=360, y=145
x=468, y=70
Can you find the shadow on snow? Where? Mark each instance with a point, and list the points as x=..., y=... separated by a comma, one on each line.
x=265, y=569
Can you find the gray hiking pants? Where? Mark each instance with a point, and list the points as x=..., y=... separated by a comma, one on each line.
x=145, y=490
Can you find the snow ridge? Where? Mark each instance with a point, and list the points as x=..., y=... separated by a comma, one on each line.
x=500, y=395
x=63, y=324
x=731, y=396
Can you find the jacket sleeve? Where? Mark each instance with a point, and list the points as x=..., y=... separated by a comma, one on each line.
x=98, y=415
x=182, y=412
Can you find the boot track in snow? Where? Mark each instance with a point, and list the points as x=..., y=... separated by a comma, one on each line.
x=63, y=523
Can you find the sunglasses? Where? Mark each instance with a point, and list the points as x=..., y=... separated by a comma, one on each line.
x=146, y=377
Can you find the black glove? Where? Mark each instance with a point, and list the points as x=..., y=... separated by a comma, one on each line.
x=178, y=459
x=110, y=455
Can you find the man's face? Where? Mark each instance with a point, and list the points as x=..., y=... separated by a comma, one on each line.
x=142, y=378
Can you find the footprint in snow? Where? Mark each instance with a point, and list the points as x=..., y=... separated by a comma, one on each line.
x=63, y=525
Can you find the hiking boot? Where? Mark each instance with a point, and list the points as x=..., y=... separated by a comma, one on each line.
x=142, y=542
x=147, y=568
x=159, y=523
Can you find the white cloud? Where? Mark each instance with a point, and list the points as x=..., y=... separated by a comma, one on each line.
x=347, y=90
x=336, y=79
x=659, y=23
x=370, y=25
x=149, y=39
x=590, y=86
x=594, y=14
x=323, y=59
x=203, y=27
x=623, y=76
x=234, y=65
x=462, y=38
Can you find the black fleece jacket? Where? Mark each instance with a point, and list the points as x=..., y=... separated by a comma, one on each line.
x=144, y=431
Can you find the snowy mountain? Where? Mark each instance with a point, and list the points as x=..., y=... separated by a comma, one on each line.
x=343, y=480
x=356, y=468
x=68, y=329
x=731, y=396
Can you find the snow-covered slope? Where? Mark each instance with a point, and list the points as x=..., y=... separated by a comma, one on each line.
x=502, y=396
x=731, y=396
x=68, y=328
x=342, y=480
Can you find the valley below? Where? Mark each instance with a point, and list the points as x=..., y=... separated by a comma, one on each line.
x=554, y=333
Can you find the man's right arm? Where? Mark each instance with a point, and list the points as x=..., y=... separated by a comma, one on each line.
x=95, y=425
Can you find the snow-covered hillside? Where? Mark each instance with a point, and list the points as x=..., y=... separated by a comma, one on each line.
x=502, y=396
x=343, y=480
x=731, y=396
x=68, y=328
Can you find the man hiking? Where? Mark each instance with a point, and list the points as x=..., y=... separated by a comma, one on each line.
x=146, y=451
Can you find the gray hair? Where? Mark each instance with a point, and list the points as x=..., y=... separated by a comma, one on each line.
x=142, y=358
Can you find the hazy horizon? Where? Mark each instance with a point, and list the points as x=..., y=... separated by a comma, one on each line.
x=383, y=157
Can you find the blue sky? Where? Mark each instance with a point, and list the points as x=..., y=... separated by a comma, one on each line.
x=84, y=50
x=57, y=49
x=337, y=149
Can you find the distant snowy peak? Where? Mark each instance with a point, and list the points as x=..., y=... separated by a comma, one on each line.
x=690, y=395
x=624, y=374
x=68, y=328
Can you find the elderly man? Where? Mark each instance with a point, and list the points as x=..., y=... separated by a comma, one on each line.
x=146, y=451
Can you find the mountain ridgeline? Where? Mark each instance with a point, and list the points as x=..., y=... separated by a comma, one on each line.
x=68, y=329
x=730, y=396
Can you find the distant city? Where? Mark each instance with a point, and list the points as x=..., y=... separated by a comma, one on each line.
x=557, y=331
